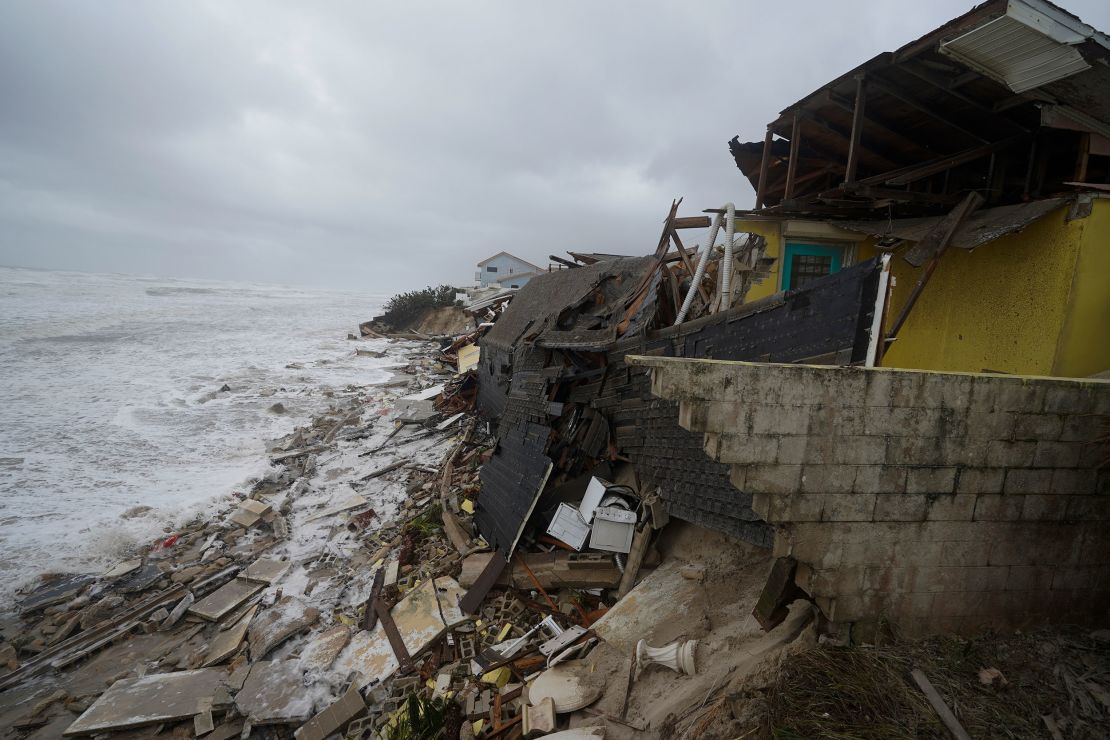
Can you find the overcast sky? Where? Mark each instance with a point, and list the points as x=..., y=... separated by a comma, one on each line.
x=387, y=146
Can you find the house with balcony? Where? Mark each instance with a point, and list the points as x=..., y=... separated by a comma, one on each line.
x=505, y=270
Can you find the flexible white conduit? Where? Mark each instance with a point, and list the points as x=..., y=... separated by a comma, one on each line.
x=699, y=273
x=726, y=263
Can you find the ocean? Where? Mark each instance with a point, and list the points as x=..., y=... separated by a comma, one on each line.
x=110, y=399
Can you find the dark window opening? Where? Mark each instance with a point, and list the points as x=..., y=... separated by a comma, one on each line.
x=808, y=267
x=491, y=269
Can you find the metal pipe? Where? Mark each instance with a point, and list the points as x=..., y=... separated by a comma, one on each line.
x=699, y=272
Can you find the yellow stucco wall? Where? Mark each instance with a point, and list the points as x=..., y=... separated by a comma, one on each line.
x=1084, y=347
x=1035, y=302
x=770, y=231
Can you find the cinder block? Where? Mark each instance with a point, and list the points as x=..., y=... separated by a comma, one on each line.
x=858, y=450
x=980, y=480
x=931, y=480
x=792, y=450
x=954, y=507
x=1068, y=398
x=990, y=424
x=744, y=448
x=765, y=505
x=1044, y=508
x=1073, y=578
x=914, y=450
x=776, y=419
x=692, y=414
x=727, y=416
x=1057, y=454
x=1094, y=508
x=984, y=392
x=848, y=507
x=828, y=478
x=940, y=422
x=836, y=419
x=772, y=478
x=1038, y=426
x=998, y=508
x=1029, y=578
x=802, y=507
x=1010, y=454
x=1026, y=480
x=908, y=390
x=880, y=479
x=947, y=389
x=878, y=391
x=892, y=420
x=1081, y=427
x=1019, y=394
x=900, y=507
x=964, y=451
x=965, y=552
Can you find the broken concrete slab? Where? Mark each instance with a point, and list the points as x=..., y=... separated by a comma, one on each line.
x=342, y=711
x=421, y=617
x=224, y=599
x=638, y=615
x=274, y=693
x=265, y=570
x=56, y=591
x=319, y=654
x=415, y=411
x=178, y=611
x=122, y=569
x=353, y=502
x=228, y=641
x=148, y=700
x=249, y=513
x=140, y=580
x=278, y=623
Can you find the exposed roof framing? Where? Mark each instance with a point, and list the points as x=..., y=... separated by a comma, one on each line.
x=913, y=130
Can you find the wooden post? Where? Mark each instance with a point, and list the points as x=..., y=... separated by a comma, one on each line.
x=857, y=128
x=937, y=240
x=764, y=165
x=792, y=164
x=1082, y=158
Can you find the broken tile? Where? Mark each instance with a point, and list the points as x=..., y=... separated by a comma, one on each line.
x=353, y=502
x=249, y=513
x=227, y=641
x=278, y=623
x=224, y=599
x=274, y=693
x=54, y=592
x=122, y=569
x=421, y=617
x=140, y=580
x=319, y=654
x=134, y=702
x=265, y=570
x=342, y=711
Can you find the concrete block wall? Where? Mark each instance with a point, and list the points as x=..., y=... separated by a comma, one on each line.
x=937, y=501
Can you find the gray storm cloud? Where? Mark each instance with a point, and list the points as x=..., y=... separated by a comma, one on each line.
x=386, y=146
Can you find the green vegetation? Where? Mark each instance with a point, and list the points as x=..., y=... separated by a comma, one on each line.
x=405, y=309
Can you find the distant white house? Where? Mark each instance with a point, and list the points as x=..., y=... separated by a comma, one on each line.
x=505, y=270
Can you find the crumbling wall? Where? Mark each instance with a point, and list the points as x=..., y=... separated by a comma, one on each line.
x=938, y=501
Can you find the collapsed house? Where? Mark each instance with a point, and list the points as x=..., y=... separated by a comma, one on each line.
x=930, y=235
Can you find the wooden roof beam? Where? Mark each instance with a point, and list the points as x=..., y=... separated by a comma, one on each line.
x=938, y=82
x=906, y=175
x=880, y=159
x=923, y=107
x=878, y=125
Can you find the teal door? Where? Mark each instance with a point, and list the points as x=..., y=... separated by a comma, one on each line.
x=804, y=263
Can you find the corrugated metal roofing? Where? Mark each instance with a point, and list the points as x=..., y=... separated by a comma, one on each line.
x=1015, y=54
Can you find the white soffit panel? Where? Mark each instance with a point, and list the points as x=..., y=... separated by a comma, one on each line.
x=1025, y=48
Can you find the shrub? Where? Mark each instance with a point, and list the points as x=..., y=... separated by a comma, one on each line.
x=404, y=309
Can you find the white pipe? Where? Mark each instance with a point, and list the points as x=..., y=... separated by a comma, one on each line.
x=726, y=263
x=699, y=273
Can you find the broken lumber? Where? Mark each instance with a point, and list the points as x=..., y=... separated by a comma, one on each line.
x=553, y=570
x=939, y=706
